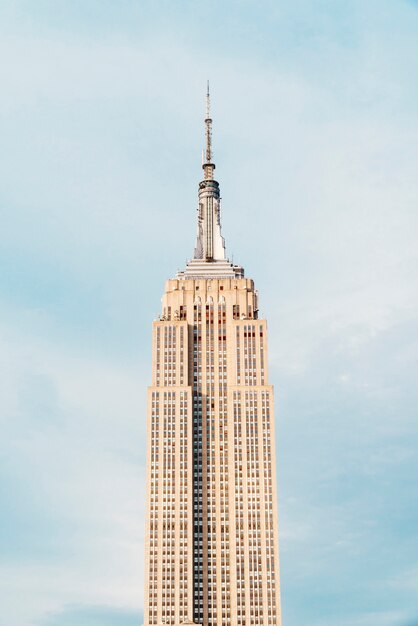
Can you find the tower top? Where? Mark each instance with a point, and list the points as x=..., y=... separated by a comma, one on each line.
x=209, y=259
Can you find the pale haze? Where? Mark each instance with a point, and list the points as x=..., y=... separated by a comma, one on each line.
x=315, y=137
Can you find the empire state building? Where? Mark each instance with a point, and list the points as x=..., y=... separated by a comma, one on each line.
x=211, y=543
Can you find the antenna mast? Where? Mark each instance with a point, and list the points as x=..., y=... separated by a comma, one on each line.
x=208, y=123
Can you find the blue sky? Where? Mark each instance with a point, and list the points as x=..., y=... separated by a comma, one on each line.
x=315, y=108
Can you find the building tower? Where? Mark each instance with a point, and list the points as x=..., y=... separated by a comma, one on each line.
x=211, y=543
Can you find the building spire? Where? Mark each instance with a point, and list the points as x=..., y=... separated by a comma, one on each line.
x=210, y=245
x=208, y=166
x=209, y=257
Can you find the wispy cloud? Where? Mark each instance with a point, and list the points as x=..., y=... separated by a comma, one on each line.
x=70, y=427
x=93, y=616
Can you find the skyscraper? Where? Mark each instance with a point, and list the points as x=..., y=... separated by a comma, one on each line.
x=211, y=543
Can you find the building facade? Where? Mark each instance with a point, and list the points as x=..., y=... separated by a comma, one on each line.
x=211, y=544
